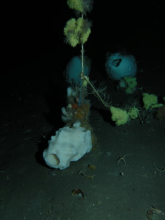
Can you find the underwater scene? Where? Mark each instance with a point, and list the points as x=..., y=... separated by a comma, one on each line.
x=82, y=111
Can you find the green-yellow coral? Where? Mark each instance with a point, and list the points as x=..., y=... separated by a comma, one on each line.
x=149, y=100
x=120, y=116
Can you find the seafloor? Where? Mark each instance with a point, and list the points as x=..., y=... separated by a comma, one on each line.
x=31, y=100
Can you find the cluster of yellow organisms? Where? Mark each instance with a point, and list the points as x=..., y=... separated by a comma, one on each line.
x=121, y=116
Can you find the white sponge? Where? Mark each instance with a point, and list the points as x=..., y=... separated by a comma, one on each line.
x=69, y=144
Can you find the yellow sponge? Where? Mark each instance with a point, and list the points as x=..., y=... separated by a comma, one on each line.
x=76, y=5
x=77, y=31
x=120, y=116
x=149, y=100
